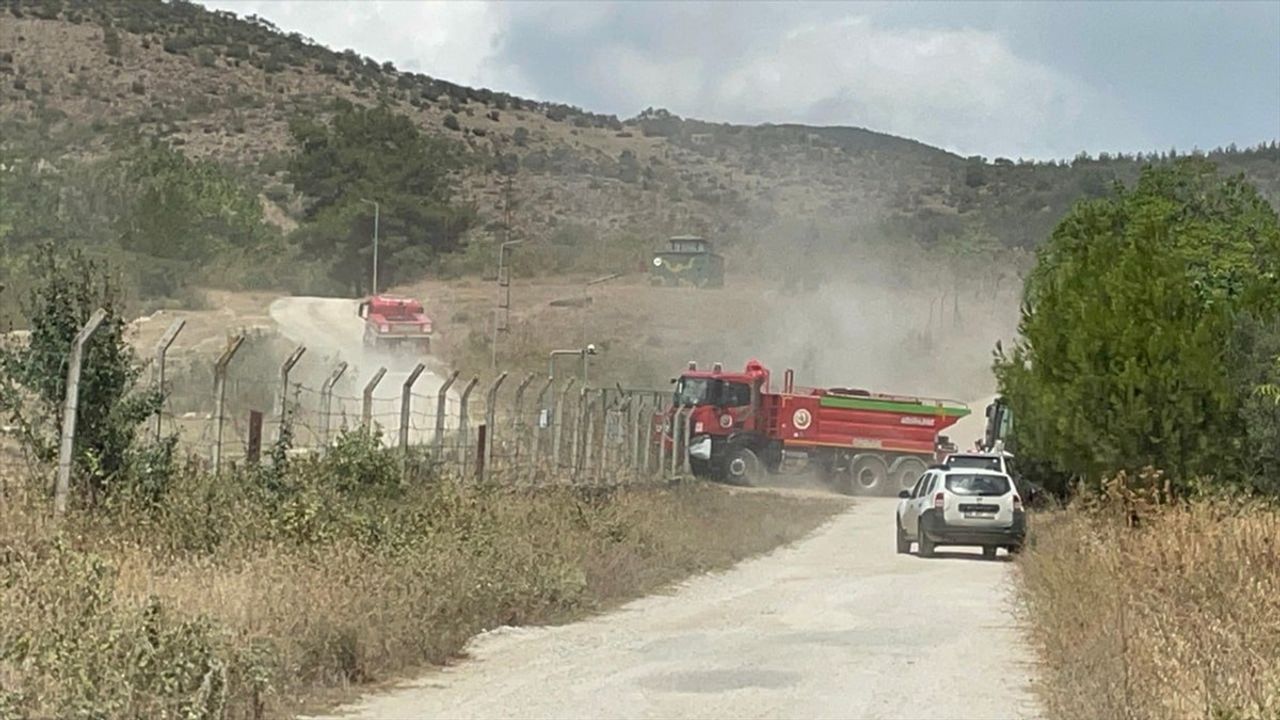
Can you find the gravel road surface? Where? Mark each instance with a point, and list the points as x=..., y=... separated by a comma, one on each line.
x=836, y=626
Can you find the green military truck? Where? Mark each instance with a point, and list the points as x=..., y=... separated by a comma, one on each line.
x=687, y=260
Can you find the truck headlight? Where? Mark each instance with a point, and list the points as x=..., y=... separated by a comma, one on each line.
x=700, y=448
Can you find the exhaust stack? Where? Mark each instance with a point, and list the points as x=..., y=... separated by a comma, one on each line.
x=693, y=365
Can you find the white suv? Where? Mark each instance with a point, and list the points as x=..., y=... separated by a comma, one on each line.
x=961, y=506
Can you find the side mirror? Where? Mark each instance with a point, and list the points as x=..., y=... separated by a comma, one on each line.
x=904, y=494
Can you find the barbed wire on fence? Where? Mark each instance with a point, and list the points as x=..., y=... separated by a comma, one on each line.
x=515, y=428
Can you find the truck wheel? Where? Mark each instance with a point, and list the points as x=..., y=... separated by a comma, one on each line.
x=741, y=467
x=904, y=472
x=700, y=468
x=868, y=474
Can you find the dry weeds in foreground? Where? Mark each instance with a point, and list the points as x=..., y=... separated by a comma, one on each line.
x=217, y=606
x=1139, y=610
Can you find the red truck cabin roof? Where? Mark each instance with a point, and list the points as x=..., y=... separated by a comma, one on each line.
x=394, y=308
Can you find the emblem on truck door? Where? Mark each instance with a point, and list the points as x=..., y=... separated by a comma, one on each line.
x=801, y=419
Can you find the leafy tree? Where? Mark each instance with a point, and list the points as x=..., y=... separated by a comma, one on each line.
x=67, y=289
x=375, y=154
x=1128, y=322
x=184, y=209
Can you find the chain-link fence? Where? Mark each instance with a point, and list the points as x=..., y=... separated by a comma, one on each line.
x=527, y=429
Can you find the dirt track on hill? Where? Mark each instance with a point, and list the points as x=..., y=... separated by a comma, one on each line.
x=837, y=626
x=331, y=326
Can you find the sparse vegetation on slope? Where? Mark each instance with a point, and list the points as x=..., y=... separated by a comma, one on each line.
x=80, y=79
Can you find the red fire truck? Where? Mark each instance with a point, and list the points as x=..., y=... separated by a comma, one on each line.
x=858, y=441
x=397, y=324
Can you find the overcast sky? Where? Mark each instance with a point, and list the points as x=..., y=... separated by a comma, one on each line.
x=998, y=79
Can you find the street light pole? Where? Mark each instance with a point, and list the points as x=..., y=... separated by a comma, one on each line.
x=504, y=297
x=585, y=299
x=583, y=351
x=377, y=210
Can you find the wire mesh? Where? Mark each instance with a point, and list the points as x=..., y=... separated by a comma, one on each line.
x=536, y=433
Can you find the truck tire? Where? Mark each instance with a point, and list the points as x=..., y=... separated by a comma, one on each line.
x=903, y=474
x=700, y=468
x=741, y=466
x=868, y=475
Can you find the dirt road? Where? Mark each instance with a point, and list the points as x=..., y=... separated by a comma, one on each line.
x=837, y=626
x=331, y=326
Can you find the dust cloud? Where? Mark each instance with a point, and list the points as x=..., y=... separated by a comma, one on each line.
x=861, y=312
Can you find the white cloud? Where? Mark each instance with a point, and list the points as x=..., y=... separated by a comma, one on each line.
x=454, y=41
x=962, y=89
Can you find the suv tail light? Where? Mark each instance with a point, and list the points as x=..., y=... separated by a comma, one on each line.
x=937, y=501
x=1017, y=502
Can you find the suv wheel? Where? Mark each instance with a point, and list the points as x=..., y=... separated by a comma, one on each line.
x=989, y=552
x=904, y=542
x=924, y=546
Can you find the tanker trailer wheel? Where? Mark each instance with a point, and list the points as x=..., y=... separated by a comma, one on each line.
x=903, y=474
x=741, y=466
x=868, y=475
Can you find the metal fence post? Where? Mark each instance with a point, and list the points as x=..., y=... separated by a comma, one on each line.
x=677, y=435
x=647, y=456
x=464, y=420
x=490, y=418
x=285, y=368
x=538, y=429
x=366, y=402
x=406, y=397
x=517, y=422
x=162, y=349
x=557, y=423
x=686, y=463
x=578, y=423
x=442, y=409
x=220, y=397
x=636, y=413
x=604, y=433
x=662, y=438
x=70, y=405
x=326, y=401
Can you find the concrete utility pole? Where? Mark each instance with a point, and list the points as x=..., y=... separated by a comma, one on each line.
x=62, y=483
x=377, y=211
x=502, y=313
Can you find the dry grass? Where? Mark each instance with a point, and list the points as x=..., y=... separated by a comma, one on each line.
x=1157, y=612
x=221, y=605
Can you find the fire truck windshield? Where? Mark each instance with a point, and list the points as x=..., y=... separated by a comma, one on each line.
x=707, y=391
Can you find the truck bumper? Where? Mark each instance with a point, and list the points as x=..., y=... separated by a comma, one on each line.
x=933, y=526
x=700, y=447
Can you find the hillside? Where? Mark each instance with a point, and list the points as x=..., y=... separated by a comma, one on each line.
x=80, y=79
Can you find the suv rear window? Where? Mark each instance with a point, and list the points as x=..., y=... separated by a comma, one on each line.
x=974, y=461
x=978, y=484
